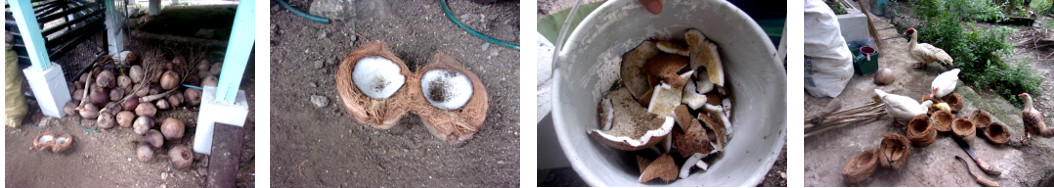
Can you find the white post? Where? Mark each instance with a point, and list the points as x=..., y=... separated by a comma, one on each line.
x=155, y=7
x=114, y=33
x=45, y=79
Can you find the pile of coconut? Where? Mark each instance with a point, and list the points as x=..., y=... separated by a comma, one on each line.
x=129, y=89
x=666, y=83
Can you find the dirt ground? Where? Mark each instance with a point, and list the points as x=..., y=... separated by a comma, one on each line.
x=323, y=146
x=108, y=158
x=827, y=153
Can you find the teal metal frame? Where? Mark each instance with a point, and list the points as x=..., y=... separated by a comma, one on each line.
x=238, y=49
x=22, y=10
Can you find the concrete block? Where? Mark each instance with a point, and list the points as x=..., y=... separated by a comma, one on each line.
x=49, y=87
x=853, y=26
x=212, y=111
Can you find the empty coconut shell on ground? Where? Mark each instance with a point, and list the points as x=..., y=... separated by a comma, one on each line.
x=378, y=113
x=942, y=121
x=964, y=128
x=664, y=168
x=920, y=131
x=884, y=76
x=44, y=140
x=980, y=119
x=453, y=126
x=861, y=166
x=893, y=151
x=62, y=142
x=144, y=152
x=181, y=157
x=172, y=128
x=997, y=133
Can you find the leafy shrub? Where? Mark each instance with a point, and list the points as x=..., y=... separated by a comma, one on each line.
x=836, y=6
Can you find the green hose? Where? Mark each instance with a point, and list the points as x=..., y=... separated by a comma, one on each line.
x=79, y=118
x=474, y=32
x=302, y=14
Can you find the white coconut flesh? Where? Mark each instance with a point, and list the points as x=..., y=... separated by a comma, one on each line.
x=703, y=83
x=688, y=163
x=45, y=138
x=61, y=140
x=446, y=89
x=609, y=114
x=691, y=98
x=628, y=122
x=665, y=98
x=634, y=141
x=377, y=77
x=721, y=118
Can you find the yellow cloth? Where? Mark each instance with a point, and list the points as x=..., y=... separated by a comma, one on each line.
x=15, y=103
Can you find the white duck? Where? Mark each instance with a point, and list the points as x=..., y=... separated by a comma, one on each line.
x=901, y=107
x=945, y=83
x=925, y=53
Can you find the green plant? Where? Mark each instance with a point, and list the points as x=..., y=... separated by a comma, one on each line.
x=836, y=6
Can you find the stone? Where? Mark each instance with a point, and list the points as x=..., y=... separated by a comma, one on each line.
x=333, y=9
x=319, y=101
x=319, y=64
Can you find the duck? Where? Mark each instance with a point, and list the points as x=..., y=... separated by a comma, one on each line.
x=944, y=84
x=1033, y=120
x=925, y=53
x=902, y=107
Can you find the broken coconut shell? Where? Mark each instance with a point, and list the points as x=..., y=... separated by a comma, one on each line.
x=997, y=133
x=666, y=68
x=642, y=163
x=378, y=113
x=662, y=168
x=672, y=47
x=894, y=151
x=942, y=121
x=861, y=166
x=920, y=131
x=980, y=119
x=632, y=69
x=627, y=126
x=704, y=52
x=964, y=128
x=955, y=101
x=62, y=143
x=43, y=141
x=692, y=139
x=453, y=126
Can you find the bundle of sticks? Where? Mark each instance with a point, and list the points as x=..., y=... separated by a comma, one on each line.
x=829, y=119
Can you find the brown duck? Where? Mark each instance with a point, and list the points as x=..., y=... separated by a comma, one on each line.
x=1033, y=120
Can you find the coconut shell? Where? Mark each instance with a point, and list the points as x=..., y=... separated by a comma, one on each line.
x=942, y=121
x=181, y=157
x=861, y=166
x=963, y=128
x=997, y=133
x=629, y=120
x=453, y=126
x=155, y=138
x=663, y=168
x=980, y=119
x=894, y=151
x=920, y=131
x=62, y=143
x=632, y=72
x=692, y=139
x=955, y=101
x=380, y=114
x=144, y=153
x=643, y=163
x=665, y=68
x=44, y=140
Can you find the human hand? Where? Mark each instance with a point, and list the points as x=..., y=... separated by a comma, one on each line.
x=653, y=6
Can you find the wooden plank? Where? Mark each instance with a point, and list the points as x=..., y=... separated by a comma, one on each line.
x=226, y=156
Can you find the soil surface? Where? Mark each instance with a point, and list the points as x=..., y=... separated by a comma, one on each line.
x=934, y=165
x=323, y=146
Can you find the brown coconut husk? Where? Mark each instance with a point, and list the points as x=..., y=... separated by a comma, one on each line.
x=664, y=168
x=453, y=126
x=942, y=120
x=894, y=151
x=964, y=128
x=980, y=119
x=861, y=166
x=997, y=133
x=382, y=113
x=955, y=101
x=920, y=131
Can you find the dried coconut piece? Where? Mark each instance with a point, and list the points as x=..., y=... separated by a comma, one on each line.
x=703, y=83
x=719, y=115
x=691, y=98
x=632, y=127
x=666, y=97
x=642, y=163
x=632, y=69
x=667, y=68
x=662, y=168
x=689, y=163
x=692, y=139
x=672, y=47
x=684, y=117
x=702, y=165
x=719, y=131
x=702, y=52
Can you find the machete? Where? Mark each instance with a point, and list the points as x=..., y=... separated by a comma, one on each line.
x=980, y=164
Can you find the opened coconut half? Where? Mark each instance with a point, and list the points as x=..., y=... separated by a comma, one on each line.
x=370, y=82
x=861, y=166
x=894, y=151
x=964, y=129
x=942, y=120
x=450, y=99
x=997, y=133
x=921, y=132
x=980, y=119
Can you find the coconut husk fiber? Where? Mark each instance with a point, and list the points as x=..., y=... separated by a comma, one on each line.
x=942, y=121
x=997, y=133
x=861, y=166
x=893, y=151
x=980, y=119
x=955, y=101
x=921, y=132
x=453, y=126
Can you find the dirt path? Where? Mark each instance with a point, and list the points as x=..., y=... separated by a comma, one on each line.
x=933, y=165
x=322, y=146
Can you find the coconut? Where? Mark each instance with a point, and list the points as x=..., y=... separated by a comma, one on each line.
x=997, y=133
x=884, y=76
x=89, y=111
x=116, y=94
x=172, y=128
x=125, y=118
x=144, y=153
x=445, y=89
x=169, y=80
x=157, y=77
x=142, y=124
x=162, y=104
x=155, y=138
x=154, y=90
x=181, y=157
x=453, y=126
x=62, y=143
x=124, y=81
x=78, y=95
x=642, y=163
x=175, y=99
x=964, y=128
x=894, y=151
x=861, y=166
x=130, y=104
x=142, y=92
x=980, y=119
x=44, y=140
x=83, y=78
x=955, y=101
x=106, y=79
x=98, y=96
x=387, y=105
x=192, y=97
x=70, y=108
x=210, y=81
x=921, y=132
x=625, y=125
x=105, y=120
x=145, y=109
x=632, y=68
x=203, y=68
x=664, y=168
x=942, y=120
x=217, y=67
